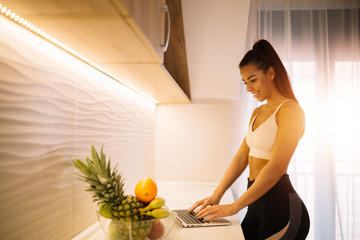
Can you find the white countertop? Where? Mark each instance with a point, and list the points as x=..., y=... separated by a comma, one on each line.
x=180, y=195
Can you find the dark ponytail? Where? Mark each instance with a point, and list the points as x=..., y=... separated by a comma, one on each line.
x=264, y=56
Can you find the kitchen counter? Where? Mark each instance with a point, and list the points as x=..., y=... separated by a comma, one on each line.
x=180, y=195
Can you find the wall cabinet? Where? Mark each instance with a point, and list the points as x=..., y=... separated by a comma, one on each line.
x=150, y=16
x=123, y=37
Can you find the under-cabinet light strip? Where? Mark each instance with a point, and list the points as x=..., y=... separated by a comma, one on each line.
x=31, y=27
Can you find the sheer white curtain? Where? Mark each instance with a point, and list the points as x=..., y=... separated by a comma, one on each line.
x=319, y=42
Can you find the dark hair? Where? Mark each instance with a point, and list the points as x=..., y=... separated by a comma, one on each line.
x=264, y=56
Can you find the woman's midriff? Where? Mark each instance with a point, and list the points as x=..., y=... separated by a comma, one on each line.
x=255, y=166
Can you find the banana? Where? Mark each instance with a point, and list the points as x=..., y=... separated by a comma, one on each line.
x=156, y=203
x=158, y=213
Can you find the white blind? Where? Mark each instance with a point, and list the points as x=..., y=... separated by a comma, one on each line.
x=321, y=50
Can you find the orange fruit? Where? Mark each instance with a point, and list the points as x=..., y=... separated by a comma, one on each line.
x=146, y=190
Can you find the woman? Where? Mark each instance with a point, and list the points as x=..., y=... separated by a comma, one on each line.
x=274, y=211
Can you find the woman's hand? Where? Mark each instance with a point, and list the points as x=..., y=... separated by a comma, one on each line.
x=209, y=201
x=216, y=211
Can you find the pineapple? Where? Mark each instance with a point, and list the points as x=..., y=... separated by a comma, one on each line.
x=107, y=187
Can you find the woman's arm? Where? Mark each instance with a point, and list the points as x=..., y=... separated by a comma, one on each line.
x=291, y=121
x=237, y=165
x=235, y=169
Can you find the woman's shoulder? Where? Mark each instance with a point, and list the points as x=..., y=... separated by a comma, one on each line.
x=291, y=107
x=291, y=110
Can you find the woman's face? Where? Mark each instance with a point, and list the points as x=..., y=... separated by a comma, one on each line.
x=258, y=83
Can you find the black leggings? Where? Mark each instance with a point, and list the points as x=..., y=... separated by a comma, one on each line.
x=272, y=212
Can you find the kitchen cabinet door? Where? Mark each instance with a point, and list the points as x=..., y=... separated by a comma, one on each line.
x=150, y=16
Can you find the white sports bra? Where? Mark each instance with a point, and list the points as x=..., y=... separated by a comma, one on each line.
x=261, y=140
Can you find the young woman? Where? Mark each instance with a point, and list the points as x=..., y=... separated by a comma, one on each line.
x=275, y=211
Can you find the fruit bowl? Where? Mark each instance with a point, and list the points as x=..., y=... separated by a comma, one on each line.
x=152, y=229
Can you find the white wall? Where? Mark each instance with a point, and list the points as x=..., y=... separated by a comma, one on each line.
x=192, y=142
x=52, y=109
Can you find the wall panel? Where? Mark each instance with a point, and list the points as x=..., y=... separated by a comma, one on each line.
x=52, y=109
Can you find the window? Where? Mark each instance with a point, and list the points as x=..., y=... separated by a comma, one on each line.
x=321, y=51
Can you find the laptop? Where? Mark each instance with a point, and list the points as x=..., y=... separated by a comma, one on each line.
x=188, y=220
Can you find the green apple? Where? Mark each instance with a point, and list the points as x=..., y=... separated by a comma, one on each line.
x=105, y=210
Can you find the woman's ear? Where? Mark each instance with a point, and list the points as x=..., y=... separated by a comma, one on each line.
x=271, y=73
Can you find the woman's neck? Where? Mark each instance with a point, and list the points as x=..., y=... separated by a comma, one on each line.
x=275, y=100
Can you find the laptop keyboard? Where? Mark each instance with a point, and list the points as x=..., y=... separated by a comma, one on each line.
x=189, y=217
